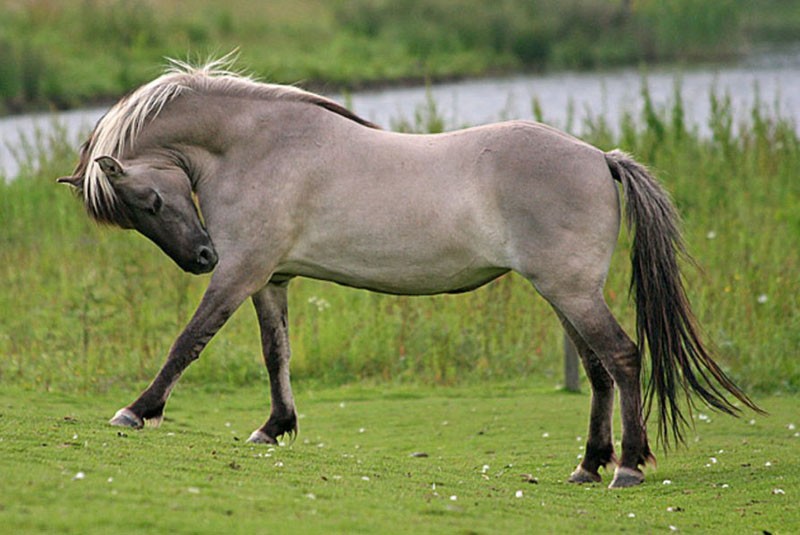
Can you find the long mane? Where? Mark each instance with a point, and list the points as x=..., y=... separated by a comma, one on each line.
x=118, y=129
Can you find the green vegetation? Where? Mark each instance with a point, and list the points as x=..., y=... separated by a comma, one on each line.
x=67, y=53
x=88, y=308
x=351, y=470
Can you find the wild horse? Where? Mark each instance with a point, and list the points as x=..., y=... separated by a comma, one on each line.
x=268, y=182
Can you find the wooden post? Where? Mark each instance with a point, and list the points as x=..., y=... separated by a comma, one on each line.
x=572, y=381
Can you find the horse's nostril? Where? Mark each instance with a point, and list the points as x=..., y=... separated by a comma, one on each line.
x=206, y=256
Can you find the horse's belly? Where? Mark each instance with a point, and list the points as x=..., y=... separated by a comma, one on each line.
x=397, y=275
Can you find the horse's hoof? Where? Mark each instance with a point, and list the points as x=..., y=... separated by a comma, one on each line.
x=626, y=477
x=581, y=475
x=260, y=437
x=126, y=418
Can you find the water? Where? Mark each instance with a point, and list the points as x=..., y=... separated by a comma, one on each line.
x=771, y=77
x=17, y=130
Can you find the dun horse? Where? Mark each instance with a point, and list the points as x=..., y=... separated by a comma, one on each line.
x=288, y=183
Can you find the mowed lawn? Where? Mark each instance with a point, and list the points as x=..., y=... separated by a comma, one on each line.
x=492, y=458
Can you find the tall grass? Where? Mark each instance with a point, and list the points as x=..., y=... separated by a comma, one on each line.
x=87, y=308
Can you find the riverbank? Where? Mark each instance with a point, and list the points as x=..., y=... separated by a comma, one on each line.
x=64, y=55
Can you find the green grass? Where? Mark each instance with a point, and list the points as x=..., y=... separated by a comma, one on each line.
x=351, y=470
x=67, y=53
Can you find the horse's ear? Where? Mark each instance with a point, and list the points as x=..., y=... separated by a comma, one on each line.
x=111, y=167
x=74, y=181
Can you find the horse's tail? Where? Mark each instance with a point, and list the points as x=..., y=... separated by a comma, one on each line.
x=664, y=320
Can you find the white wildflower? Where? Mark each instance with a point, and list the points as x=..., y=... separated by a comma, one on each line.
x=319, y=302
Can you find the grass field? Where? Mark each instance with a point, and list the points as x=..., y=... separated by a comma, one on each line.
x=351, y=469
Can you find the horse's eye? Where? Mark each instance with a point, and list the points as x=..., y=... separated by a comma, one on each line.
x=155, y=207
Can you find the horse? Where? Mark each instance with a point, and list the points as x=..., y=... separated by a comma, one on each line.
x=261, y=183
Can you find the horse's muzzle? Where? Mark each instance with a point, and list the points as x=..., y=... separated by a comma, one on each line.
x=205, y=261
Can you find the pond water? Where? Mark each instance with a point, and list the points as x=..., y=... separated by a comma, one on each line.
x=769, y=76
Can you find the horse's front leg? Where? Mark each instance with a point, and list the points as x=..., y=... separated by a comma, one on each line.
x=222, y=297
x=271, y=308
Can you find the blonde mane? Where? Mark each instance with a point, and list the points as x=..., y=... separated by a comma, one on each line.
x=118, y=129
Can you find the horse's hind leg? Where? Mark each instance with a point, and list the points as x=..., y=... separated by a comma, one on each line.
x=597, y=327
x=271, y=308
x=599, y=444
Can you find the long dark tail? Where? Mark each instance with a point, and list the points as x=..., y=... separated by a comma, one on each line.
x=664, y=319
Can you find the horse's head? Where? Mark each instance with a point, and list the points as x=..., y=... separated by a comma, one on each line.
x=157, y=201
